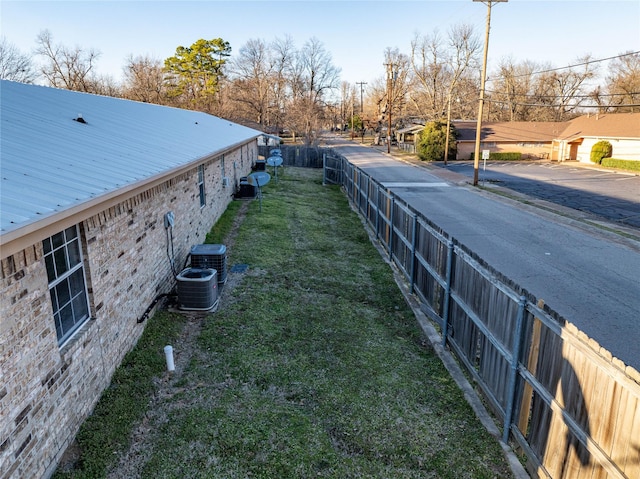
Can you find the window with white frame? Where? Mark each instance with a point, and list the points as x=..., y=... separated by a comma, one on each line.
x=203, y=199
x=67, y=285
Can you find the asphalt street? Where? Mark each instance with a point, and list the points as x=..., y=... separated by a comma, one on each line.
x=611, y=195
x=587, y=274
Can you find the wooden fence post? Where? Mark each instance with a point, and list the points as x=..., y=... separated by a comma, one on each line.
x=393, y=202
x=447, y=294
x=324, y=169
x=511, y=391
x=532, y=365
x=413, y=252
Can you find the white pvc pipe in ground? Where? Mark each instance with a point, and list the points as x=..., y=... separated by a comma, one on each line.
x=168, y=354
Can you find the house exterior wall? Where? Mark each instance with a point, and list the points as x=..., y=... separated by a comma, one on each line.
x=46, y=391
x=623, y=149
x=528, y=149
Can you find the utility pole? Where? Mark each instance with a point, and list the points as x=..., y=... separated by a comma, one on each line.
x=361, y=83
x=389, y=93
x=352, y=101
x=476, y=154
x=446, y=143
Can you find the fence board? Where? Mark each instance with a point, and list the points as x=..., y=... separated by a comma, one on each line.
x=625, y=435
x=532, y=363
x=576, y=412
x=493, y=368
x=631, y=464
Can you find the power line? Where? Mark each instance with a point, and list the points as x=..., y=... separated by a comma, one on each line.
x=542, y=105
x=524, y=95
x=572, y=66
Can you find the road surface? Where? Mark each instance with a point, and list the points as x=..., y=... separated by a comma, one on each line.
x=590, y=276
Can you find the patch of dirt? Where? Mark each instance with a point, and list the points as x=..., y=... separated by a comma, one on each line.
x=131, y=462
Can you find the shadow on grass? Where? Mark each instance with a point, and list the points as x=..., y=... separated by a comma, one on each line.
x=313, y=365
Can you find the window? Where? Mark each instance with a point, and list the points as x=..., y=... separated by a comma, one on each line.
x=65, y=272
x=203, y=200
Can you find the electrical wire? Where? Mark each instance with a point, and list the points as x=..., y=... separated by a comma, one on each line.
x=541, y=105
x=572, y=66
x=170, y=250
x=521, y=95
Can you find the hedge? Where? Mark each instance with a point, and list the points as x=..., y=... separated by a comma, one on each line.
x=495, y=156
x=630, y=165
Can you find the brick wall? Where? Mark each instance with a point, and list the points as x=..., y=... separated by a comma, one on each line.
x=47, y=391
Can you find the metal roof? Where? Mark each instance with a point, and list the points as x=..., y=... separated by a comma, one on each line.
x=50, y=162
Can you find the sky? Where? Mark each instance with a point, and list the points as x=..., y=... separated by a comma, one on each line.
x=356, y=33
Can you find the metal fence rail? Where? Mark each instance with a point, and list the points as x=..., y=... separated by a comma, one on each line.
x=571, y=408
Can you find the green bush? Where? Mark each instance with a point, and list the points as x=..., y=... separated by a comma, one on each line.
x=432, y=141
x=600, y=150
x=630, y=165
x=506, y=156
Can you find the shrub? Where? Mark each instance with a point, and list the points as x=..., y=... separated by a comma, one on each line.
x=505, y=156
x=629, y=165
x=432, y=141
x=600, y=150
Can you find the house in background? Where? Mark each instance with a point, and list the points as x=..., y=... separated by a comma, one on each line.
x=86, y=245
x=408, y=137
x=532, y=139
x=622, y=130
x=557, y=141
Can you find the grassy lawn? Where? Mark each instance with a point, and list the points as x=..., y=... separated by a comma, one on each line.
x=313, y=366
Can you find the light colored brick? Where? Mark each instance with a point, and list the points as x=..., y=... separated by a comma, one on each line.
x=61, y=386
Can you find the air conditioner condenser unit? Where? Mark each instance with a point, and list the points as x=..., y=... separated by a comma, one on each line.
x=197, y=289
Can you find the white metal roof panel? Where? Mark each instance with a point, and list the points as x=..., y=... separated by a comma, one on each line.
x=49, y=162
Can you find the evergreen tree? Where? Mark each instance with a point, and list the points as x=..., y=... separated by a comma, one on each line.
x=194, y=72
x=432, y=141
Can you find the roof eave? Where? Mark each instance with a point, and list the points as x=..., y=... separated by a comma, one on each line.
x=23, y=236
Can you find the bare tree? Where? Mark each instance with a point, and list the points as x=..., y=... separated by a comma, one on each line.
x=346, y=99
x=462, y=56
x=253, y=72
x=15, y=65
x=108, y=86
x=398, y=66
x=623, y=83
x=510, y=93
x=569, y=87
x=283, y=52
x=313, y=78
x=260, y=82
x=144, y=77
x=534, y=92
x=439, y=66
x=376, y=101
x=69, y=68
x=427, y=62
x=319, y=75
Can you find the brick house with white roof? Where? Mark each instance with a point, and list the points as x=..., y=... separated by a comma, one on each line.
x=86, y=183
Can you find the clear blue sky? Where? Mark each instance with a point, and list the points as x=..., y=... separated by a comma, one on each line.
x=356, y=33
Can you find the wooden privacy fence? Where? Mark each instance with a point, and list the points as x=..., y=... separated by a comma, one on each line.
x=296, y=155
x=572, y=408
